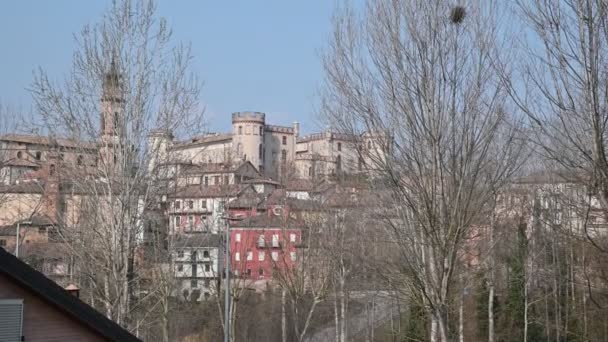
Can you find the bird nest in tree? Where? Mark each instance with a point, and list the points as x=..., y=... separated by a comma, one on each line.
x=457, y=14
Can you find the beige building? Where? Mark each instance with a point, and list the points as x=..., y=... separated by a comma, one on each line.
x=269, y=148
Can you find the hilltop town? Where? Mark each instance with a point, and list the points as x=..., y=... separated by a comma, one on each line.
x=458, y=189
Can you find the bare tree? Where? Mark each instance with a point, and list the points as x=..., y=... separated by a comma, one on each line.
x=418, y=76
x=144, y=81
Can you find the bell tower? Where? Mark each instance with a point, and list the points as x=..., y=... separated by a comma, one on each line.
x=112, y=116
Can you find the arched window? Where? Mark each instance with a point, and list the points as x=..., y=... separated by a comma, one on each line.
x=339, y=146
x=38, y=155
x=240, y=130
x=283, y=156
x=338, y=163
x=260, y=151
x=19, y=155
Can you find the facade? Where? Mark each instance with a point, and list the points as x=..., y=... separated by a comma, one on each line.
x=260, y=244
x=196, y=262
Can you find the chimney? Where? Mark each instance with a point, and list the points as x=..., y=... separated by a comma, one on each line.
x=73, y=290
x=296, y=129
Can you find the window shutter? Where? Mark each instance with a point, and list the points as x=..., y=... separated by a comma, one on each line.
x=11, y=320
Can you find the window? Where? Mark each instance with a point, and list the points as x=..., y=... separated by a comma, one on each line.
x=275, y=240
x=248, y=272
x=261, y=130
x=261, y=241
x=293, y=256
x=249, y=255
x=206, y=180
x=52, y=170
x=237, y=256
x=178, y=204
x=261, y=271
x=19, y=154
x=339, y=146
x=116, y=124
x=338, y=163
x=238, y=237
x=226, y=179
x=369, y=145
x=193, y=256
x=207, y=267
x=191, y=204
x=205, y=254
x=239, y=149
x=275, y=256
x=207, y=282
x=283, y=156
x=79, y=161
x=180, y=254
x=310, y=171
x=260, y=151
x=190, y=222
x=11, y=313
x=248, y=129
x=180, y=268
x=177, y=221
x=240, y=130
x=2, y=243
x=360, y=163
x=38, y=155
x=193, y=283
x=261, y=255
x=207, y=294
x=284, y=140
x=292, y=237
x=41, y=230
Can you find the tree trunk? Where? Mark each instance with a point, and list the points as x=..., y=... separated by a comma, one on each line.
x=342, y=311
x=283, y=316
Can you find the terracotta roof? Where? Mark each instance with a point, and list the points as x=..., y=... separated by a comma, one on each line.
x=48, y=141
x=211, y=191
x=54, y=295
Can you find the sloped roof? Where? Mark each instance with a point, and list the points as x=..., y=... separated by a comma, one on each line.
x=550, y=177
x=48, y=141
x=196, y=240
x=211, y=191
x=201, y=140
x=265, y=221
x=54, y=295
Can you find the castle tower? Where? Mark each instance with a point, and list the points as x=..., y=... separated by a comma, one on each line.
x=248, y=138
x=112, y=117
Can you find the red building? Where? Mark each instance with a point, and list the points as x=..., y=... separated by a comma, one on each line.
x=262, y=243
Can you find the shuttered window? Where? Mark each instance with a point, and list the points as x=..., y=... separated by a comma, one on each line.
x=11, y=319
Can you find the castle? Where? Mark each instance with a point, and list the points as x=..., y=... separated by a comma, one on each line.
x=274, y=150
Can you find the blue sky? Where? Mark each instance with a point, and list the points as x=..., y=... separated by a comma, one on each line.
x=260, y=55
